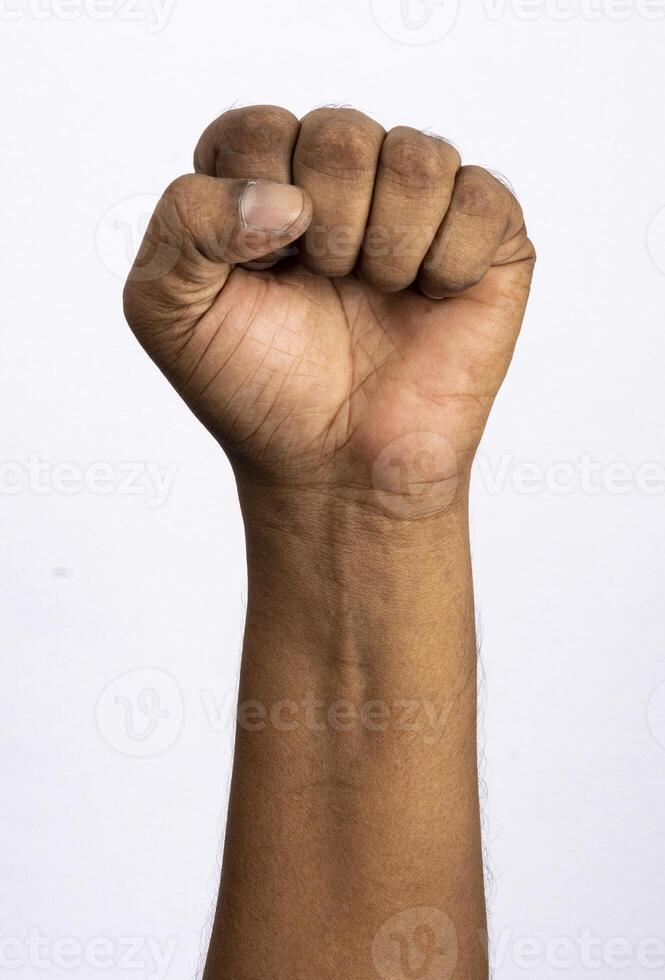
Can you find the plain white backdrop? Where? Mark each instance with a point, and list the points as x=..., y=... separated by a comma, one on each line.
x=122, y=573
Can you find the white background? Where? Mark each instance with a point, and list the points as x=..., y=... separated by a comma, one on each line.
x=111, y=830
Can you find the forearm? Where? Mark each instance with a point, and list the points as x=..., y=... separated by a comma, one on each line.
x=354, y=794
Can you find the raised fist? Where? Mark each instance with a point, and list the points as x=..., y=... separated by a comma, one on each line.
x=320, y=290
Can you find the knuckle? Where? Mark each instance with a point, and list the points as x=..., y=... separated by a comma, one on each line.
x=257, y=128
x=515, y=216
x=413, y=159
x=338, y=141
x=204, y=152
x=449, y=153
x=251, y=129
x=180, y=191
x=477, y=193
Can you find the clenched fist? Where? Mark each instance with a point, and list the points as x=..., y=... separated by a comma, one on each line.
x=319, y=289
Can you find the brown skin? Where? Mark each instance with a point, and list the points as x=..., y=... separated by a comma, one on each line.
x=391, y=325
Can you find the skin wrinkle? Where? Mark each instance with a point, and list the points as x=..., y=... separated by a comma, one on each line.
x=292, y=373
x=367, y=375
x=202, y=355
x=346, y=404
x=231, y=425
x=220, y=368
x=267, y=414
x=242, y=338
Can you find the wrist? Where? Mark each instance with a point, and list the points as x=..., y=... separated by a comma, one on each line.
x=327, y=521
x=332, y=571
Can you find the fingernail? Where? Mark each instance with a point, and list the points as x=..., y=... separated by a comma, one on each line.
x=271, y=207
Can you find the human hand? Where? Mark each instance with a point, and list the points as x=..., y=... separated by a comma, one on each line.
x=391, y=322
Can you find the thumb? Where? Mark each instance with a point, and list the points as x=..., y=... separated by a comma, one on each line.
x=202, y=227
